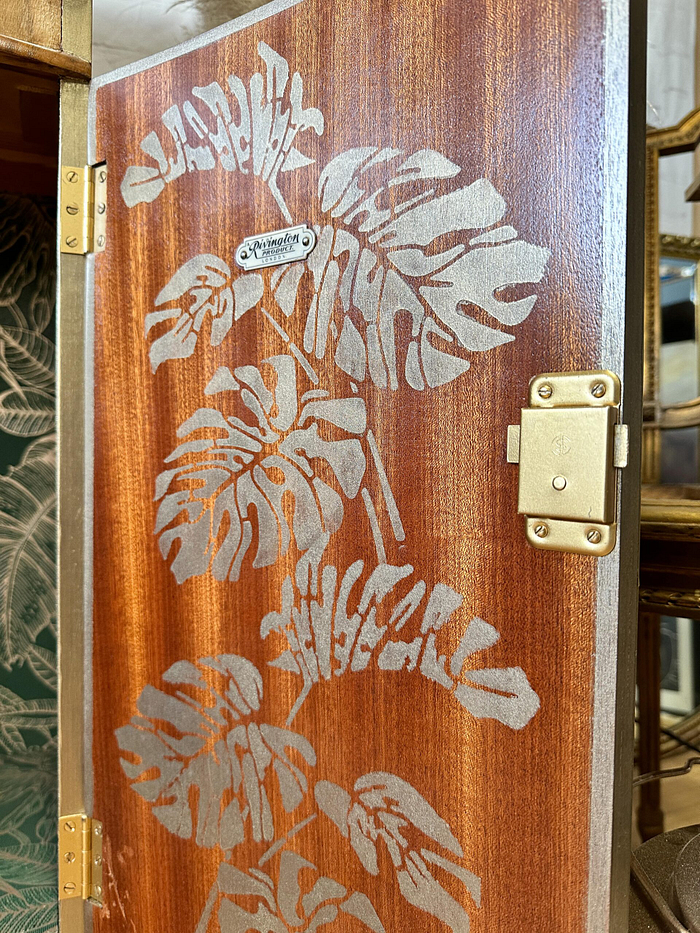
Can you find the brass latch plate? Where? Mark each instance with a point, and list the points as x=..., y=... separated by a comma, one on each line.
x=83, y=208
x=80, y=858
x=568, y=445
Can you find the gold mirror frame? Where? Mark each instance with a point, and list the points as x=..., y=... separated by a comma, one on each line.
x=665, y=515
x=683, y=137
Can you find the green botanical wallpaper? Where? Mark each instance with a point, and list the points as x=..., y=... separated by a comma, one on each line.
x=28, y=768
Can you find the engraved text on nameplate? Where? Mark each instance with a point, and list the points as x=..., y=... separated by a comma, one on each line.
x=272, y=249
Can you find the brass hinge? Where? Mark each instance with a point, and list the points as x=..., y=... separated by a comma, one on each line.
x=569, y=445
x=80, y=858
x=83, y=219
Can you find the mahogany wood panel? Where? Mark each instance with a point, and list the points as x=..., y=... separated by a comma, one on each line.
x=511, y=93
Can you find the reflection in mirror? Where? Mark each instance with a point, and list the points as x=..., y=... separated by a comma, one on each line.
x=678, y=364
x=680, y=687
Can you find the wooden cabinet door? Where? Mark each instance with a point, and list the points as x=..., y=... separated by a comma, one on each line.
x=334, y=688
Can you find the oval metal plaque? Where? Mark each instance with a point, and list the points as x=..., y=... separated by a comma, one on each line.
x=273, y=249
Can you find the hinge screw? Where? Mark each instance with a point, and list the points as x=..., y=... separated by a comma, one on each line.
x=71, y=241
x=101, y=207
x=593, y=536
x=69, y=857
x=98, y=860
x=100, y=241
x=98, y=830
x=69, y=826
x=69, y=887
x=598, y=390
x=72, y=209
x=102, y=175
x=545, y=391
x=72, y=177
x=541, y=530
x=98, y=890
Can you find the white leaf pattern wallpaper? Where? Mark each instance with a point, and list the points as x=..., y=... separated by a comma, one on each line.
x=28, y=674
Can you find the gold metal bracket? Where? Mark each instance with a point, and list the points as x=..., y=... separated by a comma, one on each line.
x=80, y=858
x=568, y=445
x=83, y=208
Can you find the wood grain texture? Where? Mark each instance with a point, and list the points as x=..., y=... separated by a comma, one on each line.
x=38, y=22
x=513, y=94
x=37, y=59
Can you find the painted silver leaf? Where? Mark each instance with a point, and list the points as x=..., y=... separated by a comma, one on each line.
x=229, y=467
x=296, y=899
x=209, y=735
x=200, y=289
x=385, y=807
x=394, y=298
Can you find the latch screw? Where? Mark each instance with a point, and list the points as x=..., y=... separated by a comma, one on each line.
x=541, y=530
x=593, y=536
x=598, y=390
x=545, y=391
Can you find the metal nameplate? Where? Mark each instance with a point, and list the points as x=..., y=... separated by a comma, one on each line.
x=273, y=249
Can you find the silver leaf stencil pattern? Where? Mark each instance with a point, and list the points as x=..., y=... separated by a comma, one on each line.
x=415, y=271
x=392, y=621
x=231, y=473
x=201, y=288
x=299, y=900
x=384, y=807
x=205, y=732
x=251, y=130
x=209, y=736
x=383, y=267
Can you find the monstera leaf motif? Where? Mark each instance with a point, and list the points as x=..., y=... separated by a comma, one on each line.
x=201, y=287
x=299, y=901
x=254, y=130
x=388, y=617
x=28, y=554
x=411, y=269
x=384, y=807
x=210, y=739
x=229, y=467
x=388, y=254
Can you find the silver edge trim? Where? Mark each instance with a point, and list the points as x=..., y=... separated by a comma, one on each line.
x=611, y=753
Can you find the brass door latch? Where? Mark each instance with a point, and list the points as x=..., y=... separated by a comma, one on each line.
x=569, y=445
x=80, y=858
